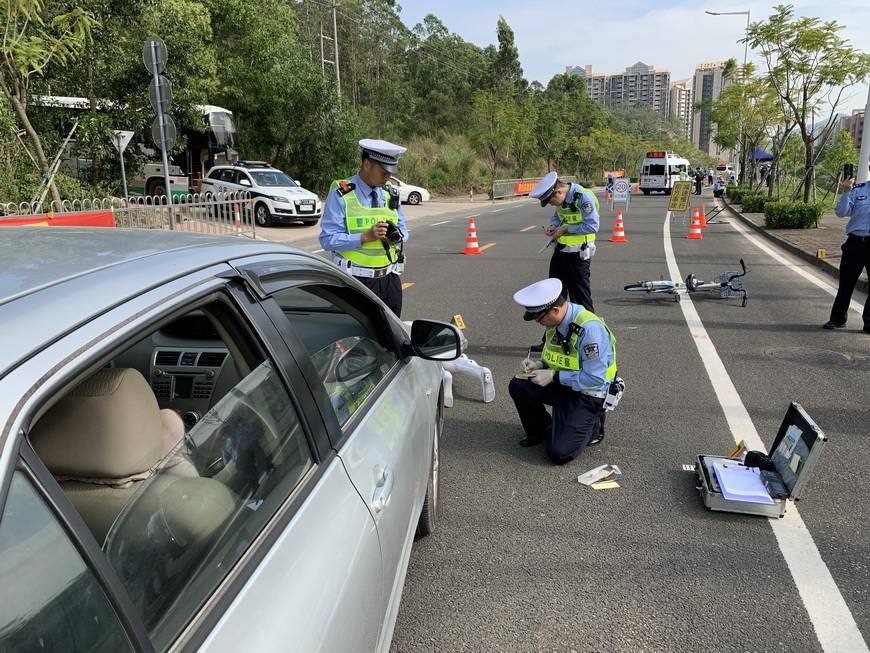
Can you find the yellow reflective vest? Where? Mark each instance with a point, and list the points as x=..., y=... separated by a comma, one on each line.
x=359, y=218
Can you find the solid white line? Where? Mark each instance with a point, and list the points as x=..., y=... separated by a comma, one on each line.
x=764, y=247
x=834, y=624
x=435, y=224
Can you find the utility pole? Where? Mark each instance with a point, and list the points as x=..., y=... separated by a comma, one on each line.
x=334, y=39
x=864, y=156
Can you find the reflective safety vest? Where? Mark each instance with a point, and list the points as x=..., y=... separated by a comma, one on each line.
x=554, y=355
x=359, y=218
x=573, y=215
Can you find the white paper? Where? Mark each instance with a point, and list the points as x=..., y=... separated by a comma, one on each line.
x=739, y=483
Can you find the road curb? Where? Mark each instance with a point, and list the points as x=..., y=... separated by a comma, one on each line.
x=822, y=264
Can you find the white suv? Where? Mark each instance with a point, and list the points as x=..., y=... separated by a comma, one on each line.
x=276, y=196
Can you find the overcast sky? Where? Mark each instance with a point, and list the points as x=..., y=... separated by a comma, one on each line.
x=668, y=34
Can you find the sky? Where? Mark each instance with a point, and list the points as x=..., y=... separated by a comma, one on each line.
x=668, y=34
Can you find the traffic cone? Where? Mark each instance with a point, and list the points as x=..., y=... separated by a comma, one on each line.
x=703, y=216
x=471, y=246
x=237, y=219
x=695, y=228
x=619, y=230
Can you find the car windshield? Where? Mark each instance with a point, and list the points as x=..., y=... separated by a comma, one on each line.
x=272, y=178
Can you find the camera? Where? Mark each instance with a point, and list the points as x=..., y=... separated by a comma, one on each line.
x=394, y=235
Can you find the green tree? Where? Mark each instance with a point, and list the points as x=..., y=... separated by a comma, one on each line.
x=29, y=46
x=809, y=66
x=507, y=68
x=492, y=125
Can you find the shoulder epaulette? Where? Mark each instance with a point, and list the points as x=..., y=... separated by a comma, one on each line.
x=863, y=183
x=344, y=187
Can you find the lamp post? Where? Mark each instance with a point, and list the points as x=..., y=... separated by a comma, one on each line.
x=745, y=56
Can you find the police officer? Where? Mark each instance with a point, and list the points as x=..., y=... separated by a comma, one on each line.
x=363, y=224
x=855, y=203
x=573, y=227
x=578, y=363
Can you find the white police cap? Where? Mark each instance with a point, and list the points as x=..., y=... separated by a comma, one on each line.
x=384, y=153
x=538, y=297
x=545, y=188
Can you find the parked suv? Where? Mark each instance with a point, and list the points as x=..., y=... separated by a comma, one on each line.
x=277, y=197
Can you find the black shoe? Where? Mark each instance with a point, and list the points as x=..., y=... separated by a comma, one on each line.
x=596, y=440
x=530, y=442
x=833, y=325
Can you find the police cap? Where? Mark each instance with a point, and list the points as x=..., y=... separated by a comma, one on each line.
x=383, y=153
x=545, y=188
x=538, y=297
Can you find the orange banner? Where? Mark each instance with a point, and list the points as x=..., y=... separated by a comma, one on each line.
x=84, y=219
x=614, y=173
x=524, y=187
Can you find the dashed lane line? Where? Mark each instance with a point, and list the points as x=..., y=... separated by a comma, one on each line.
x=317, y=251
x=812, y=278
x=487, y=246
x=531, y=226
x=435, y=224
x=834, y=624
x=407, y=285
x=496, y=210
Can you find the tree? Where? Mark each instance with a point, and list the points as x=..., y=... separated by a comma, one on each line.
x=809, y=67
x=507, y=68
x=29, y=46
x=492, y=125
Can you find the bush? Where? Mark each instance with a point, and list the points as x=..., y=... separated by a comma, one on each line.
x=753, y=203
x=736, y=193
x=791, y=215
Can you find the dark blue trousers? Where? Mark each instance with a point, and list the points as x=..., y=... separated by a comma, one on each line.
x=388, y=289
x=577, y=418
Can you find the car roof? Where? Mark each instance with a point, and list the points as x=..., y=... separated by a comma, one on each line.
x=58, y=277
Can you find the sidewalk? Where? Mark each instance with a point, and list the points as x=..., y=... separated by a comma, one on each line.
x=806, y=242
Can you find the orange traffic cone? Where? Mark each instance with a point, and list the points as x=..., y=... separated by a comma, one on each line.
x=695, y=228
x=703, y=216
x=471, y=246
x=619, y=230
x=237, y=219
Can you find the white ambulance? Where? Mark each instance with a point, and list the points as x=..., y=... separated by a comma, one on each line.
x=660, y=170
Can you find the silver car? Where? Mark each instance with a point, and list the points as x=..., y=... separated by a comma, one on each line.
x=207, y=443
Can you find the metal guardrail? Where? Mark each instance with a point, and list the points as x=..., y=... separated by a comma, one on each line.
x=212, y=213
x=515, y=187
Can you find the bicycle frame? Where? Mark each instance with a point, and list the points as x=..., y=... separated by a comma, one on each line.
x=729, y=285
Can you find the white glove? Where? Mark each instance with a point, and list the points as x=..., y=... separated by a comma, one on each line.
x=542, y=377
x=529, y=365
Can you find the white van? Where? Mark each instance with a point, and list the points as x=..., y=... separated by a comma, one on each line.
x=660, y=170
x=724, y=170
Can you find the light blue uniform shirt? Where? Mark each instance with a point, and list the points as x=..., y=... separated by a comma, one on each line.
x=587, y=210
x=595, y=353
x=856, y=203
x=333, y=224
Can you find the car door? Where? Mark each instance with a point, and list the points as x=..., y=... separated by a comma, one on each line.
x=382, y=423
x=295, y=557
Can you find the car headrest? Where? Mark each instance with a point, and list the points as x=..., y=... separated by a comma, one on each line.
x=108, y=426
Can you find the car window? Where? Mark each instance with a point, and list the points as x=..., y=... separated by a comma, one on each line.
x=656, y=169
x=272, y=178
x=50, y=599
x=346, y=351
x=177, y=499
x=239, y=175
x=226, y=175
x=214, y=173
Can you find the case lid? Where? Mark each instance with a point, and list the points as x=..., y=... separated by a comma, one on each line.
x=796, y=449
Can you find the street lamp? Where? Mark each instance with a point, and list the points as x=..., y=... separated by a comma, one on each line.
x=745, y=55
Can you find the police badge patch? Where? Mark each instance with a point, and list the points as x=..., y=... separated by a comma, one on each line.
x=586, y=207
x=591, y=351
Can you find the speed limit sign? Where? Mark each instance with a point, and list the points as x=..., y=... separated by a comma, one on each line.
x=621, y=189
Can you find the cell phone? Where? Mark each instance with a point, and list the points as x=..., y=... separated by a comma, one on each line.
x=848, y=170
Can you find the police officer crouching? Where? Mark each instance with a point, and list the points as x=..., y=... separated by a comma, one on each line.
x=363, y=224
x=574, y=376
x=573, y=227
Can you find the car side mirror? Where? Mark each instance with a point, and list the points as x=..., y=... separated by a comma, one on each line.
x=436, y=341
x=357, y=363
x=245, y=182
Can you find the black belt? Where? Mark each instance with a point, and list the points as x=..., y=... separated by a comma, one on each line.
x=863, y=239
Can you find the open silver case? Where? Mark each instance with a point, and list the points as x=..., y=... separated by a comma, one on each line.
x=795, y=453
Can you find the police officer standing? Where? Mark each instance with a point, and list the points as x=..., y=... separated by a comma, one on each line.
x=363, y=224
x=577, y=367
x=855, y=203
x=573, y=227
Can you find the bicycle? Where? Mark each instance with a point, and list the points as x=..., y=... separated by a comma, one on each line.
x=730, y=285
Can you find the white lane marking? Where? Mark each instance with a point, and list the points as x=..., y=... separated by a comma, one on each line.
x=497, y=210
x=317, y=251
x=435, y=224
x=755, y=240
x=834, y=624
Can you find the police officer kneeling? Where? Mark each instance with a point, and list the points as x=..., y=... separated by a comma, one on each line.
x=578, y=366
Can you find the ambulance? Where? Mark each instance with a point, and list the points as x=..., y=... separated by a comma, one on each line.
x=660, y=170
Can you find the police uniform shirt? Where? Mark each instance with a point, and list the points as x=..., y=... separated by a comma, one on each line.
x=856, y=203
x=586, y=207
x=595, y=353
x=333, y=224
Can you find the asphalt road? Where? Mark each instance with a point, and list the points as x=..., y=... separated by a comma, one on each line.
x=526, y=559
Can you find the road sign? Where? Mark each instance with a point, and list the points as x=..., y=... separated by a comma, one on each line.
x=621, y=189
x=121, y=139
x=160, y=87
x=154, y=55
x=169, y=132
x=680, y=194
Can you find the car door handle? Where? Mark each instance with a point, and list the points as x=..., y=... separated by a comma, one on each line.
x=383, y=488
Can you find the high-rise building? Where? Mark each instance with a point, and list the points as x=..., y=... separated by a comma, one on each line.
x=637, y=85
x=854, y=124
x=707, y=85
x=681, y=105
